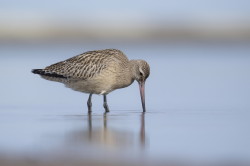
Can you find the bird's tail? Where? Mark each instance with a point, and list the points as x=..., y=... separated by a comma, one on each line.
x=38, y=71
x=43, y=72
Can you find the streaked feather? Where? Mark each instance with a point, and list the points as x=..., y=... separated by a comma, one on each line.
x=86, y=65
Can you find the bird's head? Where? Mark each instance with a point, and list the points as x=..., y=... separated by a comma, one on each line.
x=141, y=71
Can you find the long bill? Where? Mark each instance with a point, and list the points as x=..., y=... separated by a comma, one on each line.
x=142, y=92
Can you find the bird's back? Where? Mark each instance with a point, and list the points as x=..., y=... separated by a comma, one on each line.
x=100, y=70
x=86, y=65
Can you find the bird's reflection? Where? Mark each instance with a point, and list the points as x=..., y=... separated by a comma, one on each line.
x=109, y=133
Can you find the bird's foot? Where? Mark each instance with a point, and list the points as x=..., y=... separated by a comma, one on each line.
x=89, y=109
x=106, y=107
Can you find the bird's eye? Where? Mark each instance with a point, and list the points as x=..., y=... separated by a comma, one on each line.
x=141, y=74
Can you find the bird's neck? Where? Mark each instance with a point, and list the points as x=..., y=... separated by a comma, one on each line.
x=133, y=68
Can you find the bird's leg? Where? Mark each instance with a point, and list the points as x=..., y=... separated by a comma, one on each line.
x=89, y=103
x=105, y=104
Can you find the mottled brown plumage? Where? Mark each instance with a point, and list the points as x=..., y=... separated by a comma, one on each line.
x=97, y=72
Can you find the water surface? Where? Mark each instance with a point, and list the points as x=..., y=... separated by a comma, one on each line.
x=197, y=98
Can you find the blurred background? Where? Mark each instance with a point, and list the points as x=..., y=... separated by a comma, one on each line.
x=197, y=94
x=29, y=21
x=198, y=49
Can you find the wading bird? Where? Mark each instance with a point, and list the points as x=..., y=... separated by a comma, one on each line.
x=98, y=72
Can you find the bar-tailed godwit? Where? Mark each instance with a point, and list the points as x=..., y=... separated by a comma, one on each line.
x=98, y=72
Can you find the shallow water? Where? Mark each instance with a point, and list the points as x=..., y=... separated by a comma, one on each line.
x=197, y=98
x=188, y=136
